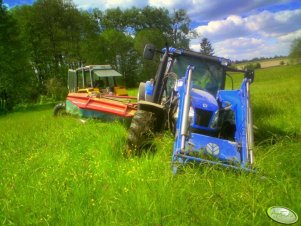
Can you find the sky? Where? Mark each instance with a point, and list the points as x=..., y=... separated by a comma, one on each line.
x=237, y=29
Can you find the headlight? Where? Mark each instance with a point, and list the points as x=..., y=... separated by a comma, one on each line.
x=179, y=83
x=214, y=121
x=191, y=114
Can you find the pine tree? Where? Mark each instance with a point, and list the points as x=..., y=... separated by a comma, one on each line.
x=206, y=47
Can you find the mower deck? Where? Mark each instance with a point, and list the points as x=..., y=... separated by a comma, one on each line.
x=100, y=106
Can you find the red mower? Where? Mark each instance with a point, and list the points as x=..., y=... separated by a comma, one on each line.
x=94, y=93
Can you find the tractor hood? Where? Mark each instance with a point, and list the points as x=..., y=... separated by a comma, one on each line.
x=203, y=100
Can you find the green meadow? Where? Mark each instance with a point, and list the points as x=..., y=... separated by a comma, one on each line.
x=68, y=171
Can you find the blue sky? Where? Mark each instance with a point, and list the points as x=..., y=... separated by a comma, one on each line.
x=237, y=29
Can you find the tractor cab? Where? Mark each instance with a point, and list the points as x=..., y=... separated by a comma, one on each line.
x=95, y=78
x=208, y=76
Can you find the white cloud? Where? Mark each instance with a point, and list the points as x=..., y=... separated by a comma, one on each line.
x=237, y=48
x=198, y=10
x=202, y=10
x=263, y=34
x=106, y=4
x=233, y=26
x=236, y=29
x=169, y=4
x=248, y=48
x=274, y=24
x=290, y=36
x=266, y=24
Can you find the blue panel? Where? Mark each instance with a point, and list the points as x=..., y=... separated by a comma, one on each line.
x=224, y=150
x=191, y=146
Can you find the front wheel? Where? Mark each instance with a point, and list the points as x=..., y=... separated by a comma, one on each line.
x=141, y=132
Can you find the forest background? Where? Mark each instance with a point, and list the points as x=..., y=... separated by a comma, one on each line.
x=39, y=42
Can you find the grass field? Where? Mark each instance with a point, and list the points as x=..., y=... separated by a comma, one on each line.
x=62, y=171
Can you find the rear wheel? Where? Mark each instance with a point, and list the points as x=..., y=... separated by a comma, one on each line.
x=59, y=109
x=141, y=132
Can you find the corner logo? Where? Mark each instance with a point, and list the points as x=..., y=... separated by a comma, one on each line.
x=212, y=148
x=282, y=215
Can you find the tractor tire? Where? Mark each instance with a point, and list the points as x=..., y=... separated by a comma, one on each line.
x=59, y=110
x=141, y=133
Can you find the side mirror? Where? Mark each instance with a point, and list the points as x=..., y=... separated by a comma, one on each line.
x=149, y=51
x=250, y=75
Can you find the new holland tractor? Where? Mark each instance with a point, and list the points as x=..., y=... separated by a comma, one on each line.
x=210, y=124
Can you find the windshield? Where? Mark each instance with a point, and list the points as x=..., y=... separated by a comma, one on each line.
x=207, y=75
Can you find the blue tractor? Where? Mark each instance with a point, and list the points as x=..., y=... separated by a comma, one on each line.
x=210, y=124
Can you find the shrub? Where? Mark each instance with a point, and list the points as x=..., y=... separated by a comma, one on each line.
x=252, y=66
x=55, y=89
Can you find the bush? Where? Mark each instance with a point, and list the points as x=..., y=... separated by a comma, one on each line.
x=55, y=89
x=252, y=66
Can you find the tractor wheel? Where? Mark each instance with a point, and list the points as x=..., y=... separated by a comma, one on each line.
x=59, y=109
x=141, y=132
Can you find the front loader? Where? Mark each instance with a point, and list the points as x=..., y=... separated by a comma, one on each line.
x=210, y=124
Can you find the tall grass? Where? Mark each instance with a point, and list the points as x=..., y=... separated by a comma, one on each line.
x=65, y=171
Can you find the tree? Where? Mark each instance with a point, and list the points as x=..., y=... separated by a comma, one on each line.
x=58, y=37
x=47, y=29
x=153, y=18
x=148, y=68
x=295, y=53
x=174, y=27
x=120, y=53
x=133, y=20
x=180, y=23
x=112, y=19
x=15, y=78
x=206, y=47
x=50, y=36
x=91, y=45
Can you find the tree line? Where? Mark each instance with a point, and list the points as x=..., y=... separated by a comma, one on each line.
x=39, y=42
